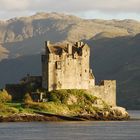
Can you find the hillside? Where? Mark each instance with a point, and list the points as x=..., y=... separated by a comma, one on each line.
x=30, y=32
x=3, y=53
x=119, y=59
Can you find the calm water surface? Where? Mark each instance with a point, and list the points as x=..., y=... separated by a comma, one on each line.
x=95, y=130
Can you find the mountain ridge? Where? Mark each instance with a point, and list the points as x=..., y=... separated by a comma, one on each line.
x=61, y=28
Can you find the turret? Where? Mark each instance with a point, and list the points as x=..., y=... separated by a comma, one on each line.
x=47, y=44
x=69, y=46
x=78, y=44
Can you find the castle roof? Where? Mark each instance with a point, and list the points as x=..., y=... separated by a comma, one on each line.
x=58, y=49
x=55, y=49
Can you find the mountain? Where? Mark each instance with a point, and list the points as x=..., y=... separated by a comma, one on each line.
x=114, y=45
x=12, y=70
x=3, y=53
x=30, y=32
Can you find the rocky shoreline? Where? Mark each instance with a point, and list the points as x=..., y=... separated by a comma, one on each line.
x=115, y=113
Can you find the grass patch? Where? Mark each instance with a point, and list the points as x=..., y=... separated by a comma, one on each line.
x=6, y=110
x=50, y=107
x=67, y=102
x=63, y=96
x=62, y=102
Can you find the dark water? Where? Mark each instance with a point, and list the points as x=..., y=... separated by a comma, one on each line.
x=96, y=130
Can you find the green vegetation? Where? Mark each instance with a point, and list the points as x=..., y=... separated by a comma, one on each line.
x=27, y=99
x=68, y=102
x=6, y=110
x=4, y=96
x=7, y=107
x=63, y=102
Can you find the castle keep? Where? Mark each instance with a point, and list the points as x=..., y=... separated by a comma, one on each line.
x=68, y=67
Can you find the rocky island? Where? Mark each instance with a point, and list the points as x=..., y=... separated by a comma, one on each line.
x=66, y=90
x=62, y=105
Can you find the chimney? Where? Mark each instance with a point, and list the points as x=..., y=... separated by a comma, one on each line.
x=90, y=71
x=47, y=44
x=78, y=44
x=69, y=46
x=81, y=43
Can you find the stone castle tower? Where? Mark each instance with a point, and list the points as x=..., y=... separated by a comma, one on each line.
x=68, y=67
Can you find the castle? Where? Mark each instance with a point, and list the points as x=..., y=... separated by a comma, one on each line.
x=68, y=67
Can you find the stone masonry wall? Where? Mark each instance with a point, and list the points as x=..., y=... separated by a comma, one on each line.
x=106, y=90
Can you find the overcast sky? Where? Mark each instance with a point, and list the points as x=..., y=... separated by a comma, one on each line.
x=105, y=9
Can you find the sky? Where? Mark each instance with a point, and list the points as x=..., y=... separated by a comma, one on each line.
x=89, y=9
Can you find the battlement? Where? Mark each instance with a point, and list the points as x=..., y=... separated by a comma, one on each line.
x=105, y=90
x=77, y=49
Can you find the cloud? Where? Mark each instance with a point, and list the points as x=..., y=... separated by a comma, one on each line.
x=14, y=5
x=69, y=6
x=86, y=5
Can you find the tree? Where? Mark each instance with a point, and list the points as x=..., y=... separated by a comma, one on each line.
x=4, y=96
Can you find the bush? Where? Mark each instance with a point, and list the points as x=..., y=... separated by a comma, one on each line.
x=27, y=99
x=63, y=96
x=5, y=97
x=5, y=110
x=59, y=96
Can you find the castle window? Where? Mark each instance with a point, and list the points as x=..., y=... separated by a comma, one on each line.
x=80, y=75
x=58, y=65
x=85, y=70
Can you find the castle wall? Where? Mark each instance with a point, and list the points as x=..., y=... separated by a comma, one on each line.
x=45, y=60
x=68, y=73
x=17, y=91
x=44, y=71
x=106, y=91
x=51, y=73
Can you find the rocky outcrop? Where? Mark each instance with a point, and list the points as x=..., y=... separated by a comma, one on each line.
x=37, y=117
x=27, y=118
x=115, y=113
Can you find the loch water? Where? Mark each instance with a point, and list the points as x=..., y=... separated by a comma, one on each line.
x=89, y=130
